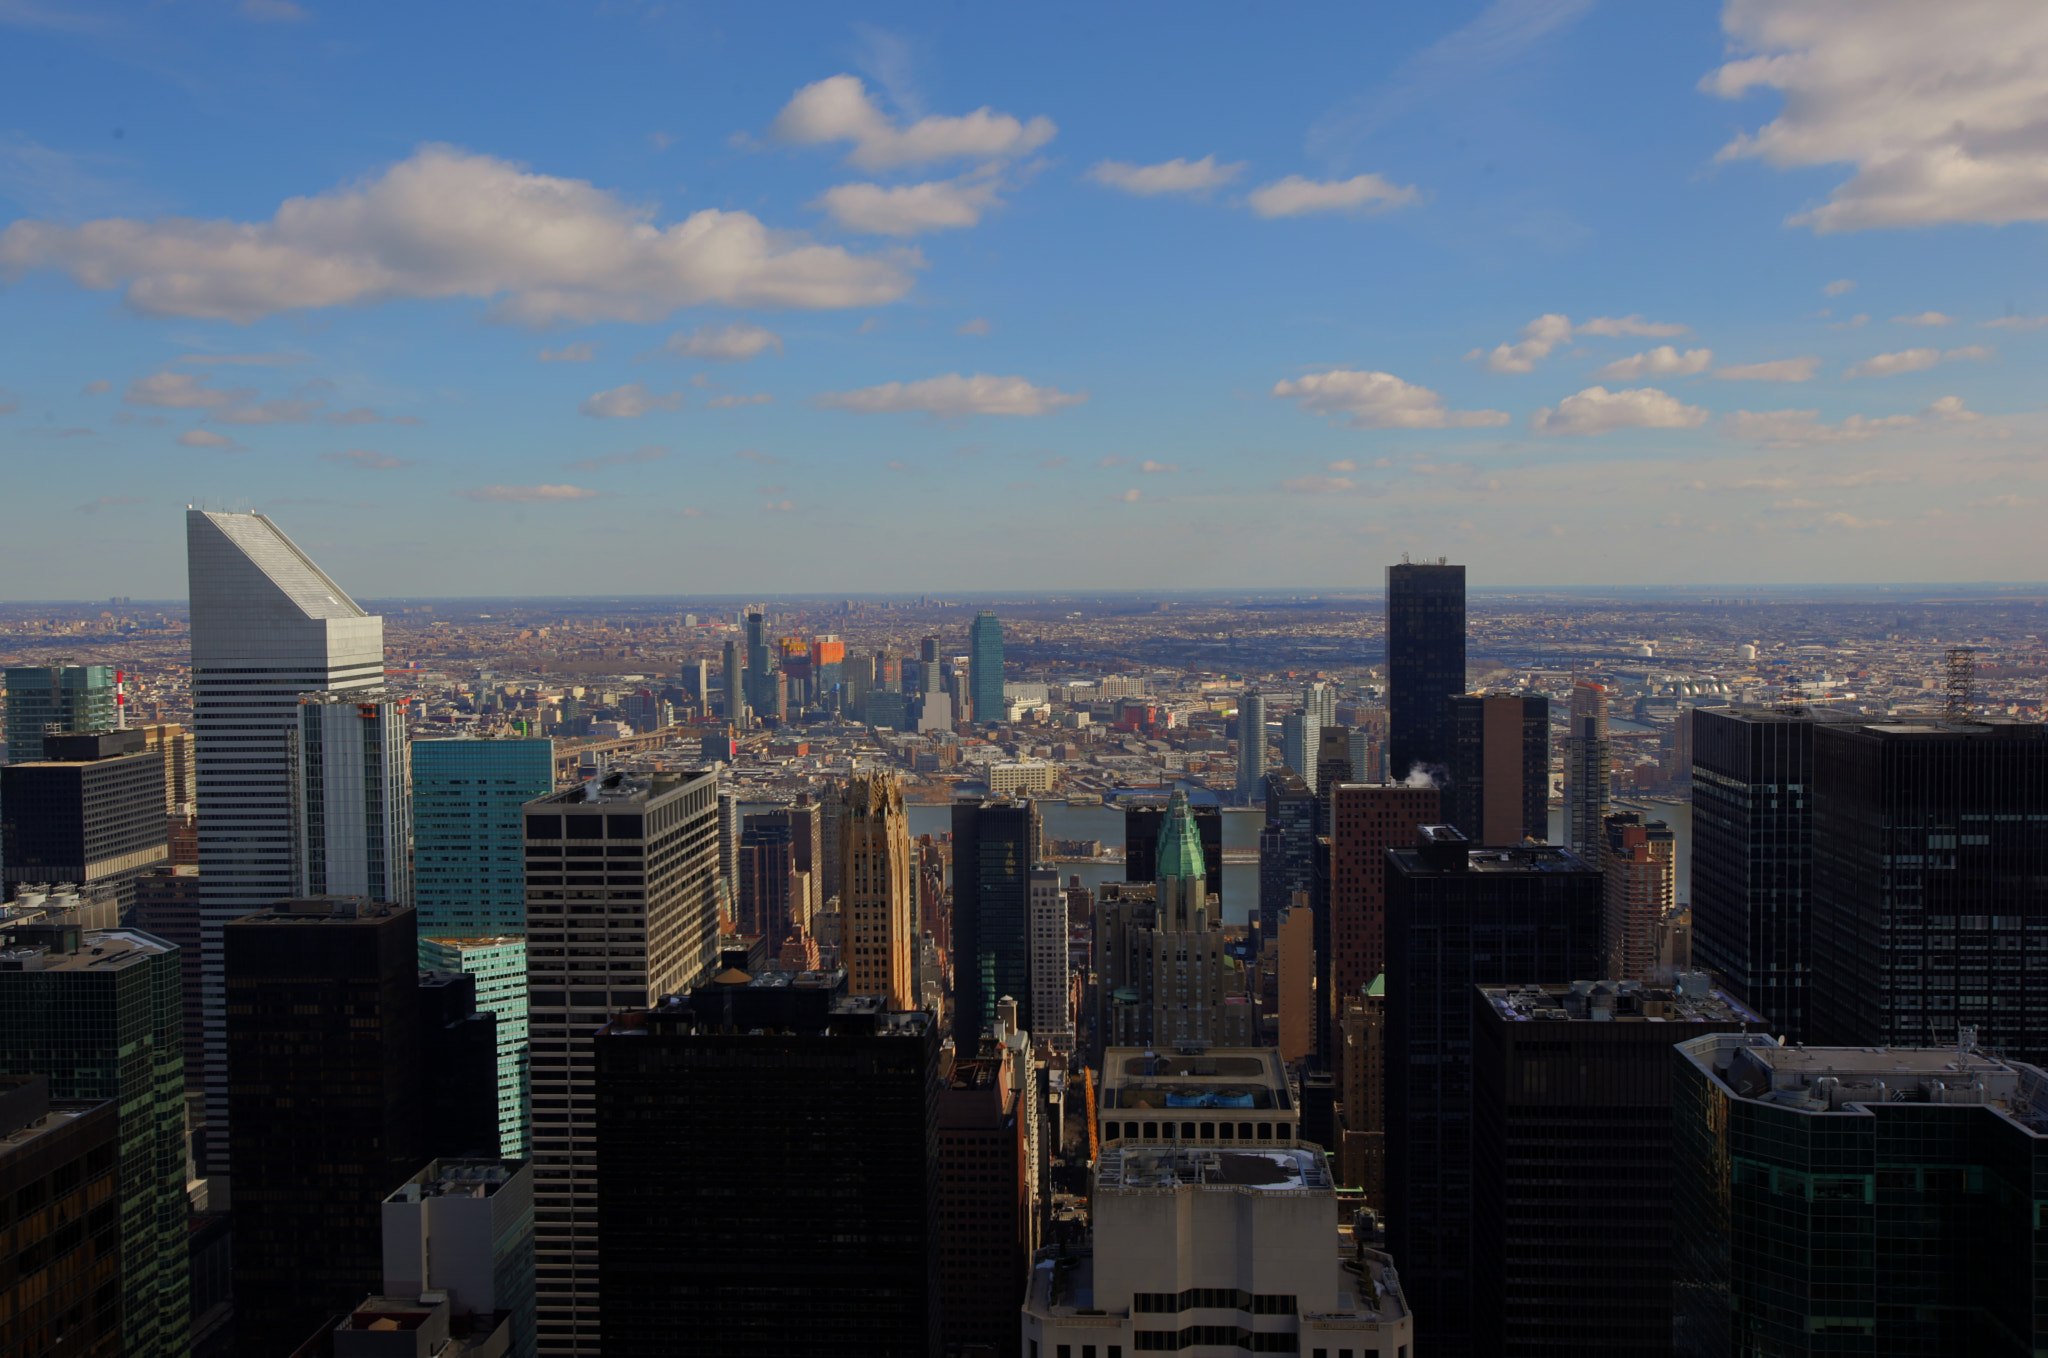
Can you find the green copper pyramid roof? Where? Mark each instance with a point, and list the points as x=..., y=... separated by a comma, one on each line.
x=1180, y=843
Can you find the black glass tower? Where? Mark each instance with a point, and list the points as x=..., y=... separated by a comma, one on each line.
x=1460, y=917
x=995, y=844
x=1287, y=848
x=1425, y=662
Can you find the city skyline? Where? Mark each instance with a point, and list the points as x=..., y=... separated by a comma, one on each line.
x=1413, y=287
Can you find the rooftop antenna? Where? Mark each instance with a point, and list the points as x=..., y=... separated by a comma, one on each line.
x=1960, y=665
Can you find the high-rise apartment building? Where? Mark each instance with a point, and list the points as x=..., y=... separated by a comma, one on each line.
x=1832, y=1200
x=1498, y=791
x=1366, y=820
x=498, y=964
x=1300, y=735
x=1752, y=856
x=877, y=898
x=1321, y=699
x=1251, y=746
x=995, y=846
x=1341, y=757
x=181, y=764
x=622, y=908
x=351, y=769
x=1425, y=663
x=58, y=700
x=318, y=1142
x=1929, y=904
x=1287, y=848
x=91, y=812
x=759, y=686
x=1460, y=916
x=733, y=679
x=985, y=650
x=782, y=1069
x=469, y=877
x=765, y=863
x=828, y=660
x=60, y=1263
x=1361, y=1113
x=1052, y=991
x=984, y=1209
x=1639, y=868
x=1588, y=770
x=99, y=1014
x=267, y=626
x=1571, y=1161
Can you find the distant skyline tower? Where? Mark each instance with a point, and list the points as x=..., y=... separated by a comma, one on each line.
x=995, y=846
x=1300, y=735
x=1251, y=746
x=267, y=626
x=1425, y=662
x=352, y=797
x=758, y=692
x=985, y=676
x=735, y=693
x=877, y=896
x=1588, y=771
x=928, y=665
x=72, y=698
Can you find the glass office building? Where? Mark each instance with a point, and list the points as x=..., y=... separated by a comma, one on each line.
x=499, y=966
x=468, y=840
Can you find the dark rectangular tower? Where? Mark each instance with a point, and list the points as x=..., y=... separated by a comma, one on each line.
x=1499, y=786
x=995, y=845
x=1425, y=662
x=1141, y=841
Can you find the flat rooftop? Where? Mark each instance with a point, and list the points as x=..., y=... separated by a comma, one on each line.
x=1833, y=1079
x=1691, y=999
x=457, y=1179
x=1268, y=1169
x=98, y=950
x=1224, y=1077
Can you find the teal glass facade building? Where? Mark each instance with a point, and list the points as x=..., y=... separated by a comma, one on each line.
x=69, y=697
x=469, y=878
x=499, y=965
x=985, y=667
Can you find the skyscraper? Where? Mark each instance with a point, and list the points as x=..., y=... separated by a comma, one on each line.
x=61, y=1288
x=100, y=1015
x=995, y=846
x=928, y=666
x=1300, y=735
x=629, y=866
x=877, y=899
x=469, y=878
x=1321, y=699
x=768, y=1070
x=1752, y=855
x=985, y=647
x=1588, y=770
x=1366, y=819
x=1498, y=791
x=267, y=626
x=1251, y=746
x=1425, y=663
x=499, y=966
x=1287, y=848
x=90, y=812
x=71, y=698
x=1145, y=821
x=1930, y=884
x=760, y=694
x=735, y=688
x=765, y=863
x=352, y=797
x=1051, y=969
x=1638, y=869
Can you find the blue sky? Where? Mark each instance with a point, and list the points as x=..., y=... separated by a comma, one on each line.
x=547, y=298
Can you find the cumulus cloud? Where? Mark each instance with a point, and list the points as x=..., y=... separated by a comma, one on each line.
x=646, y=452
x=1169, y=176
x=181, y=391
x=205, y=438
x=1914, y=360
x=630, y=402
x=1148, y=465
x=1927, y=318
x=1941, y=124
x=1662, y=361
x=570, y=353
x=953, y=395
x=978, y=326
x=911, y=209
x=1372, y=400
x=1840, y=286
x=1543, y=335
x=1295, y=196
x=1131, y=496
x=1597, y=410
x=362, y=459
x=1804, y=428
x=1319, y=485
x=1777, y=370
x=525, y=495
x=2017, y=323
x=734, y=342
x=1344, y=465
x=447, y=223
x=838, y=109
x=727, y=402
x=282, y=411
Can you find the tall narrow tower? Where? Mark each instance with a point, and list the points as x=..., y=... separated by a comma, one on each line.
x=876, y=897
x=267, y=626
x=985, y=645
x=1588, y=771
x=1425, y=662
x=1251, y=746
x=352, y=797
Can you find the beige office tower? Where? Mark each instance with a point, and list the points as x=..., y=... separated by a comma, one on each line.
x=1588, y=771
x=1638, y=870
x=621, y=909
x=876, y=901
x=181, y=767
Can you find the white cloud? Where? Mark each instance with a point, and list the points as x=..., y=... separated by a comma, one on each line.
x=735, y=342
x=1928, y=318
x=1344, y=465
x=1859, y=319
x=1662, y=361
x=1295, y=196
x=953, y=395
x=205, y=438
x=1319, y=485
x=1777, y=370
x=1840, y=286
x=630, y=402
x=1803, y=428
x=759, y=398
x=910, y=209
x=1941, y=108
x=2017, y=323
x=362, y=459
x=446, y=223
x=181, y=391
x=570, y=353
x=282, y=411
x=1170, y=176
x=1148, y=465
x=1374, y=400
x=525, y=495
x=1914, y=360
x=978, y=326
x=838, y=109
x=1543, y=335
x=1131, y=496
x=96, y=387
x=1597, y=410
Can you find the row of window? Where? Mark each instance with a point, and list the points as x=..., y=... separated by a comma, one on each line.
x=1203, y=1131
